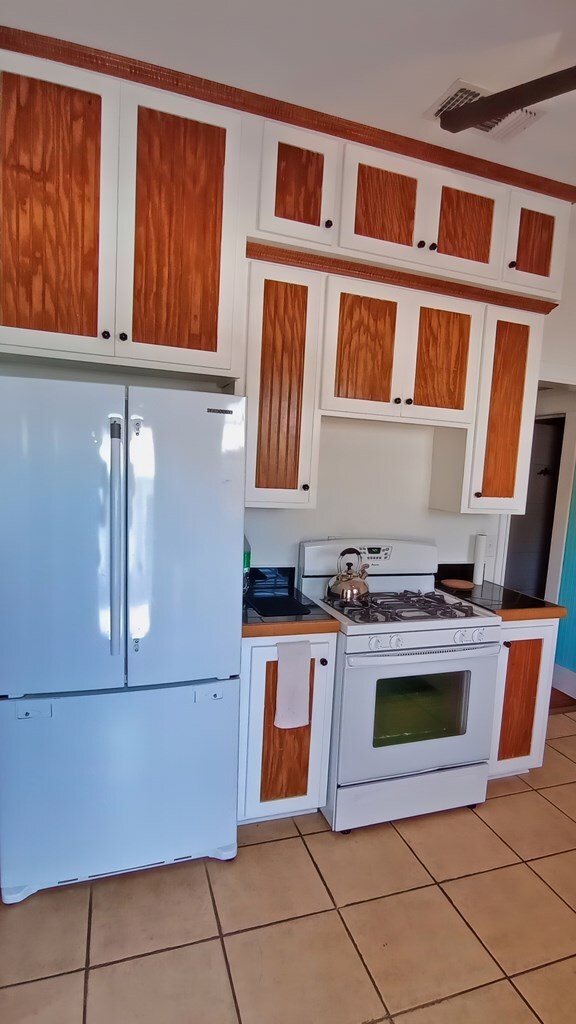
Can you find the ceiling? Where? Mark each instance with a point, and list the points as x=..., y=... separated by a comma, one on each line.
x=380, y=62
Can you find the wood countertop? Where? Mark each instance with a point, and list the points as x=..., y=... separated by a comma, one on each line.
x=252, y=629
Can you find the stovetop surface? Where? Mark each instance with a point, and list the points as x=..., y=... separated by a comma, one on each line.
x=402, y=606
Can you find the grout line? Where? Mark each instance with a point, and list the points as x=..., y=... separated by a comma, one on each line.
x=455, y=995
x=350, y=936
x=152, y=952
x=87, y=961
x=45, y=977
x=222, y=943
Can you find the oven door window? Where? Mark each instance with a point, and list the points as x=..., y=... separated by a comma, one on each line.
x=427, y=706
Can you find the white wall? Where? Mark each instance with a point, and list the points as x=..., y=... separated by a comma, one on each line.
x=559, y=351
x=374, y=481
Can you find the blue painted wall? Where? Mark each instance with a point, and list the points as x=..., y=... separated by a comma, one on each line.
x=566, y=649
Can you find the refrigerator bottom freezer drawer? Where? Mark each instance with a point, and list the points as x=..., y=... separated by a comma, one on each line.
x=98, y=784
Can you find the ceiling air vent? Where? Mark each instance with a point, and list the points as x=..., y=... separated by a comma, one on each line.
x=501, y=128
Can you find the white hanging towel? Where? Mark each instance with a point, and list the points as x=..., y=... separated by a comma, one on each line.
x=293, y=689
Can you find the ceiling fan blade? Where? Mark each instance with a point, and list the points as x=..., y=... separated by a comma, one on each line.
x=500, y=104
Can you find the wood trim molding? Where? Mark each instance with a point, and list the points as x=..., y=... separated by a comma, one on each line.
x=277, y=110
x=385, y=275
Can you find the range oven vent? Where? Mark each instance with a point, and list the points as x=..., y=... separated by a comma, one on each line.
x=501, y=128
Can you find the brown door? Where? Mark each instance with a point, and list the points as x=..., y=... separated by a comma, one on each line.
x=522, y=676
x=385, y=205
x=535, y=241
x=465, y=225
x=178, y=231
x=506, y=408
x=285, y=752
x=442, y=359
x=50, y=137
x=365, y=352
x=299, y=178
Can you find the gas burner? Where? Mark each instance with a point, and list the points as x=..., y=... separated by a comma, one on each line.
x=403, y=606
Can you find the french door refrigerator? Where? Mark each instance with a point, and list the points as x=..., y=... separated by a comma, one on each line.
x=121, y=536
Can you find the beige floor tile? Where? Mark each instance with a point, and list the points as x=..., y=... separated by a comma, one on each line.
x=266, y=831
x=269, y=882
x=507, y=786
x=494, y=1004
x=521, y=921
x=150, y=910
x=563, y=797
x=43, y=935
x=418, y=948
x=306, y=971
x=370, y=862
x=560, y=725
x=309, y=823
x=531, y=825
x=181, y=986
x=555, y=771
x=54, y=1001
x=565, y=745
x=455, y=843
x=551, y=991
x=570, y=714
x=560, y=873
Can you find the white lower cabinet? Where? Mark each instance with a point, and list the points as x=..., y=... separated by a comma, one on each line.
x=283, y=771
x=525, y=670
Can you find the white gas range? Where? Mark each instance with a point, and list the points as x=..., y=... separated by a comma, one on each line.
x=415, y=686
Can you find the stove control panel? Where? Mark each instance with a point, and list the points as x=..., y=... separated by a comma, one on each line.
x=386, y=642
x=466, y=636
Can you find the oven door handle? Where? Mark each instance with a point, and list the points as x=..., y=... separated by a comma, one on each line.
x=431, y=654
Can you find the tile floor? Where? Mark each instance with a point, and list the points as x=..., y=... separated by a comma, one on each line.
x=465, y=917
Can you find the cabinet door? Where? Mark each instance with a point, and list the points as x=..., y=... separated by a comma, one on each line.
x=506, y=408
x=179, y=172
x=536, y=241
x=446, y=360
x=467, y=225
x=58, y=198
x=287, y=768
x=525, y=670
x=384, y=204
x=364, y=371
x=299, y=178
x=282, y=423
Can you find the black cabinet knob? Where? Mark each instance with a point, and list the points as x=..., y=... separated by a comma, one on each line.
x=409, y=401
x=433, y=246
x=512, y=264
x=397, y=401
x=323, y=661
x=123, y=336
x=421, y=244
x=507, y=643
x=105, y=335
x=477, y=494
x=305, y=487
x=328, y=223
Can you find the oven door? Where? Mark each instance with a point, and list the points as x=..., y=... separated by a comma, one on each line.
x=404, y=713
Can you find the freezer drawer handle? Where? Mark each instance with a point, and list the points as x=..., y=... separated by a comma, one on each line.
x=115, y=536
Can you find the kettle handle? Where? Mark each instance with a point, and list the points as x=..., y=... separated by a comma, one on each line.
x=348, y=551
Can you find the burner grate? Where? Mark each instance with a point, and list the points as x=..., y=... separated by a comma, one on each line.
x=402, y=606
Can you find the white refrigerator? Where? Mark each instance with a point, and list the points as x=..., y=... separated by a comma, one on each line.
x=121, y=538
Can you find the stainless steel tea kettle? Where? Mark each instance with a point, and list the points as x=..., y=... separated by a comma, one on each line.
x=348, y=584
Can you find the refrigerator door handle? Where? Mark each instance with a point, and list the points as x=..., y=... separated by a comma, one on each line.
x=115, y=537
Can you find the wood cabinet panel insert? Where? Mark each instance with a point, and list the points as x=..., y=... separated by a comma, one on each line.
x=442, y=360
x=505, y=416
x=49, y=206
x=520, y=698
x=465, y=228
x=299, y=177
x=281, y=383
x=385, y=205
x=179, y=199
x=535, y=239
x=365, y=355
x=285, y=752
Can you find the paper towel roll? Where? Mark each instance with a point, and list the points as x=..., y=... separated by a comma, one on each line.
x=479, y=559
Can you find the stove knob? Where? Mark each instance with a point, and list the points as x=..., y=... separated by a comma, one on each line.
x=478, y=635
x=377, y=643
x=396, y=641
x=460, y=636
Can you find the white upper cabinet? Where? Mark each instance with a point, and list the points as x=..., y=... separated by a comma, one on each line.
x=536, y=241
x=300, y=172
x=406, y=210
